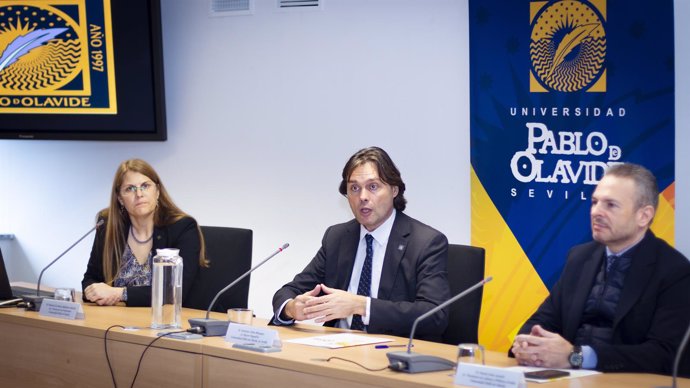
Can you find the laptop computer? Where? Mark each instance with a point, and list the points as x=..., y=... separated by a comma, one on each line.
x=11, y=295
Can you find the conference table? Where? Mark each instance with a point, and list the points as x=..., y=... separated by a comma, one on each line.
x=40, y=351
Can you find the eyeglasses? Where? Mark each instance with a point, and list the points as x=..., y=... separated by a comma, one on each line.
x=132, y=190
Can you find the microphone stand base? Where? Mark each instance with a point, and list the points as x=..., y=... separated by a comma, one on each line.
x=417, y=363
x=33, y=302
x=210, y=327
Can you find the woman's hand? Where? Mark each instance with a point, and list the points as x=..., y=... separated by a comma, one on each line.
x=103, y=294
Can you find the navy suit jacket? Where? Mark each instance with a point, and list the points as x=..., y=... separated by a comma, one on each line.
x=652, y=314
x=413, y=279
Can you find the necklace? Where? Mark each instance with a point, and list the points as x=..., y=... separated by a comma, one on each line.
x=137, y=240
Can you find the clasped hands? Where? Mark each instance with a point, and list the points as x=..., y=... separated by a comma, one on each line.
x=335, y=304
x=542, y=348
x=103, y=294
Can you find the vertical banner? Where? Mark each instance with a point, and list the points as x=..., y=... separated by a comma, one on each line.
x=559, y=90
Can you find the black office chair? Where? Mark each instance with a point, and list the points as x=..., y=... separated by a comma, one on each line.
x=230, y=252
x=465, y=269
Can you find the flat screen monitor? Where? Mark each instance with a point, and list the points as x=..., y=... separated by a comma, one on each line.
x=81, y=70
x=5, y=289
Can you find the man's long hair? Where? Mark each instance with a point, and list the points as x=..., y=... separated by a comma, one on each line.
x=385, y=167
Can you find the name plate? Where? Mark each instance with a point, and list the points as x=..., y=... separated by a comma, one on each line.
x=476, y=375
x=61, y=309
x=251, y=335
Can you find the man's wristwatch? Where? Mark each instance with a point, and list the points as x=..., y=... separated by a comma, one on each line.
x=575, y=358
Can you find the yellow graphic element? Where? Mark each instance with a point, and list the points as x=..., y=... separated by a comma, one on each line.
x=49, y=67
x=49, y=57
x=534, y=7
x=569, y=42
x=535, y=86
x=664, y=224
x=600, y=5
x=567, y=47
x=670, y=194
x=600, y=85
x=517, y=290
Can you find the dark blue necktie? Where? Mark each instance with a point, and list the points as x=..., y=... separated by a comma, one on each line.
x=364, y=287
x=610, y=261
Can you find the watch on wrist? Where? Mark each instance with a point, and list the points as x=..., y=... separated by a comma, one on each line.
x=575, y=358
x=124, y=294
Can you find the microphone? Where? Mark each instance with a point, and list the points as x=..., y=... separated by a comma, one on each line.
x=415, y=363
x=214, y=327
x=679, y=355
x=33, y=302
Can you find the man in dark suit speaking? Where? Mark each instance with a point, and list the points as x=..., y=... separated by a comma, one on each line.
x=375, y=273
x=622, y=302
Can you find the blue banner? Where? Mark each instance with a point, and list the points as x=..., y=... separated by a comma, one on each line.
x=559, y=90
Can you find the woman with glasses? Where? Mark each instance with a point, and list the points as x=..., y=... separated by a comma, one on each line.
x=141, y=218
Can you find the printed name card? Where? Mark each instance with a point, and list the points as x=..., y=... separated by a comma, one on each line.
x=245, y=334
x=477, y=375
x=61, y=309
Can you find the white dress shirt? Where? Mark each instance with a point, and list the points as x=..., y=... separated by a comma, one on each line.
x=380, y=235
x=379, y=244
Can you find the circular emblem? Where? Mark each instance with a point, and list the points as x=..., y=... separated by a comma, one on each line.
x=39, y=48
x=568, y=46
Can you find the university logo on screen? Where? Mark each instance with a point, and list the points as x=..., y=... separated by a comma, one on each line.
x=567, y=54
x=57, y=57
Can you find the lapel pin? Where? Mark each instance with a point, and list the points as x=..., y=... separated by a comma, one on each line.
x=401, y=247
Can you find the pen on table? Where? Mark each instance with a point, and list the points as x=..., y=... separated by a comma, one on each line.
x=389, y=346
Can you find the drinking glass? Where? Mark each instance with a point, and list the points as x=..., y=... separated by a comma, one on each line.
x=470, y=354
x=239, y=315
x=64, y=293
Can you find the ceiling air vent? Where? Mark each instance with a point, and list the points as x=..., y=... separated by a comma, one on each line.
x=231, y=7
x=299, y=4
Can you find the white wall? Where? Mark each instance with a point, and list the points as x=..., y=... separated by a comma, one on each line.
x=682, y=29
x=263, y=112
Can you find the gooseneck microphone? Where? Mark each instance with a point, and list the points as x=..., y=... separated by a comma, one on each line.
x=679, y=355
x=33, y=302
x=214, y=327
x=415, y=363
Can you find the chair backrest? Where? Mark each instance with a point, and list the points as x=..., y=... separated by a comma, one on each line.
x=465, y=269
x=229, y=251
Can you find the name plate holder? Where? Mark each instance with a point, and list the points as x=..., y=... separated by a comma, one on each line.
x=252, y=338
x=477, y=375
x=61, y=309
